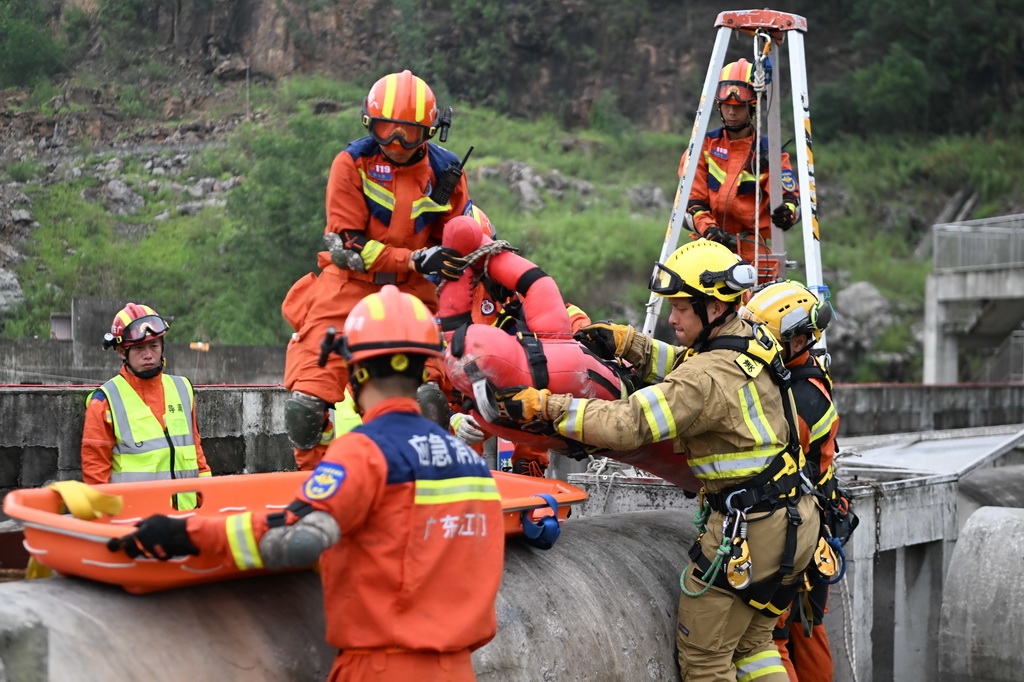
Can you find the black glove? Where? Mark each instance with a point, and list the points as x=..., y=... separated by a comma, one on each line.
x=784, y=216
x=157, y=537
x=717, y=234
x=606, y=340
x=439, y=260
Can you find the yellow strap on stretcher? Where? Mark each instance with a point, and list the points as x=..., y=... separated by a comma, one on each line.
x=85, y=502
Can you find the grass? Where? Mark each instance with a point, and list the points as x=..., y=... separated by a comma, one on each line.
x=222, y=273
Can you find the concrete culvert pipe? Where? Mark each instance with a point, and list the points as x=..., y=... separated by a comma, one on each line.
x=600, y=605
x=982, y=626
x=993, y=487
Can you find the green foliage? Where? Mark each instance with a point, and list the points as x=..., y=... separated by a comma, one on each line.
x=28, y=53
x=24, y=170
x=132, y=102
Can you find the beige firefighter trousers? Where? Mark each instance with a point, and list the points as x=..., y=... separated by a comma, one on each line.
x=719, y=637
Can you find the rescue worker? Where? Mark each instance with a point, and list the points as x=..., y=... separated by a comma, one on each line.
x=495, y=304
x=401, y=510
x=721, y=398
x=141, y=425
x=383, y=227
x=796, y=318
x=722, y=199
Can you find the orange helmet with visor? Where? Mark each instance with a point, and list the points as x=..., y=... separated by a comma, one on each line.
x=735, y=84
x=135, y=324
x=400, y=111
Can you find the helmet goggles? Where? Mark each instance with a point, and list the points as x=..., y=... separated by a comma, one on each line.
x=409, y=135
x=137, y=330
x=740, y=91
x=738, y=277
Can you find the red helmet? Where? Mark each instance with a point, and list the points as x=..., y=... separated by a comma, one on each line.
x=735, y=84
x=135, y=324
x=477, y=214
x=400, y=111
x=390, y=322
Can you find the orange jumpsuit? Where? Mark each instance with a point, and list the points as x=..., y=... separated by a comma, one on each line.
x=390, y=204
x=724, y=187
x=809, y=659
x=98, y=433
x=418, y=514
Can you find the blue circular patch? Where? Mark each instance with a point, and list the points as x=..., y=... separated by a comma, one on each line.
x=324, y=481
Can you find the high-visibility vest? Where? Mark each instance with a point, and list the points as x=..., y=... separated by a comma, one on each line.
x=144, y=451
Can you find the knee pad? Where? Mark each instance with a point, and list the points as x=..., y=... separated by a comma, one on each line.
x=433, y=403
x=304, y=420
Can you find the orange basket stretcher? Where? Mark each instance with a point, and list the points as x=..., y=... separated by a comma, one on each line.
x=78, y=547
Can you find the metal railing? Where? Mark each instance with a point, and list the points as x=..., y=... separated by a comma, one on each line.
x=1007, y=362
x=977, y=244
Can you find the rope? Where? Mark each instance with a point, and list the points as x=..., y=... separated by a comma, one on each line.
x=723, y=550
x=848, y=632
x=598, y=466
x=760, y=88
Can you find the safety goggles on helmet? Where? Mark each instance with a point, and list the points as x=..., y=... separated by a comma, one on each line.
x=739, y=91
x=137, y=330
x=406, y=133
x=800, y=321
x=738, y=277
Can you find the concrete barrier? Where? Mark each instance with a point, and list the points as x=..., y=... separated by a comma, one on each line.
x=982, y=624
x=600, y=605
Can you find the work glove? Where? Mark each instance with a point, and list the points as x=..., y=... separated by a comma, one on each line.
x=466, y=428
x=717, y=234
x=785, y=216
x=522, y=404
x=346, y=259
x=606, y=340
x=439, y=260
x=157, y=537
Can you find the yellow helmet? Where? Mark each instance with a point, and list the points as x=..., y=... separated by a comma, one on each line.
x=788, y=309
x=703, y=269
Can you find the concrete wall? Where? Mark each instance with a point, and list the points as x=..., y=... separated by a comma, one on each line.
x=242, y=428
x=50, y=361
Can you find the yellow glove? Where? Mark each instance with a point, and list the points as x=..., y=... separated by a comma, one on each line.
x=523, y=404
x=605, y=339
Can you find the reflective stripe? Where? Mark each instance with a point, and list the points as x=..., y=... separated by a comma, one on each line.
x=136, y=476
x=571, y=425
x=714, y=170
x=753, y=415
x=456, y=490
x=427, y=205
x=376, y=193
x=242, y=541
x=421, y=99
x=183, y=393
x=735, y=464
x=657, y=412
x=370, y=252
x=146, y=446
x=663, y=358
x=390, y=88
x=824, y=425
x=759, y=665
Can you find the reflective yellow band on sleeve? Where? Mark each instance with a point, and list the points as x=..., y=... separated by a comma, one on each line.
x=242, y=541
x=571, y=425
x=370, y=252
x=657, y=412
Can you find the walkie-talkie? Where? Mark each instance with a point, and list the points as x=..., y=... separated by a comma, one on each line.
x=449, y=179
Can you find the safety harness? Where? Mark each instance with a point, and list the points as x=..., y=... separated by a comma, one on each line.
x=781, y=484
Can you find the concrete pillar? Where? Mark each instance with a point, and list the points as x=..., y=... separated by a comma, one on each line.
x=940, y=346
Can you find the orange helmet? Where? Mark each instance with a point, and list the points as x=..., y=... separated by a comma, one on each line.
x=400, y=111
x=477, y=214
x=735, y=84
x=134, y=324
x=390, y=322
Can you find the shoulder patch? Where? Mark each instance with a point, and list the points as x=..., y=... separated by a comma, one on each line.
x=749, y=365
x=324, y=481
x=788, y=181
